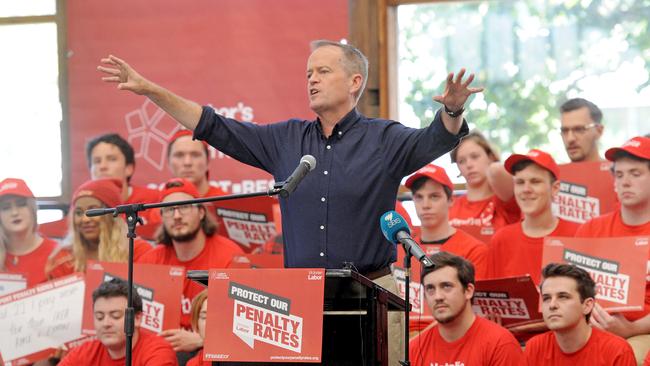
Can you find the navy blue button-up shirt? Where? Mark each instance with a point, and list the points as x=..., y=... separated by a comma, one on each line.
x=333, y=215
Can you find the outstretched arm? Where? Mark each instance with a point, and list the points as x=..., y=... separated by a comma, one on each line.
x=454, y=97
x=186, y=112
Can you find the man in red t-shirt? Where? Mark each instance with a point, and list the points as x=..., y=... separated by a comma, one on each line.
x=188, y=238
x=460, y=337
x=109, y=349
x=111, y=156
x=516, y=249
x=568, y=298
x=631, y=170
x=432, y=196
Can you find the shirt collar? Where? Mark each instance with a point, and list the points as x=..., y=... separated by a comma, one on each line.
x=344, y=125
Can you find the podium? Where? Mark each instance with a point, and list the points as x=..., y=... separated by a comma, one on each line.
x=355, y=320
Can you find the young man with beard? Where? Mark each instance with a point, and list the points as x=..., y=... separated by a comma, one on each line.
x=109, y=349
x=516, y=249
x=460, y=337
x=581, y=128
x=568, y=294
x=188, y=238
x=631, y=170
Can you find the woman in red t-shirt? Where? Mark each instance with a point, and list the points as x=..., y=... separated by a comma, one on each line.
x=22, y=249
x=101, y=238
x=199, y=315
x=489, y=203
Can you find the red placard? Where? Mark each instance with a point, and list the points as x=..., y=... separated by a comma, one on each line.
x=586, y=191
x=257, y=261
x=514, y=299
x=249, y=222
x=159, y=286
x=617, y=265
x=277, y=319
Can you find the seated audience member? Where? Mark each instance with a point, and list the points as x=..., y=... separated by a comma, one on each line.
x=581, y=128
x=432, y=196
x=516, y=249
x=100, y=238
x=22, y=249
x=190, y=159
x=631, y=170
x=111, y=156
x=188, y=238
x=460, y=337
x=489, y=204
x=568, y=298
x=199, y=314
x=109, y=304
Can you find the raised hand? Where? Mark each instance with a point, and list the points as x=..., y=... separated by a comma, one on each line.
x=124, y=75
x=456, y=91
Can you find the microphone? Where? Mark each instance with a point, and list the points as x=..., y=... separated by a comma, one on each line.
x=99, y=211
x=307, y=164
x=396, y=230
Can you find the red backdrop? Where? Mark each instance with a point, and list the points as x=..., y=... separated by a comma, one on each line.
x=246, y=56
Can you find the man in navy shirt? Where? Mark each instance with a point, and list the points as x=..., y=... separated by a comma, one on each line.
x=333, y=216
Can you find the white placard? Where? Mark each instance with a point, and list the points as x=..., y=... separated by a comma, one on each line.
x=11, y=282
x=41, y=317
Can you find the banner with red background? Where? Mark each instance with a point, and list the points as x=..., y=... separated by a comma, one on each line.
x=246, y=58
x=265, y=321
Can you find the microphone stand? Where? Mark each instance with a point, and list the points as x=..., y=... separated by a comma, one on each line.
x=132, y=219
x=407, y=309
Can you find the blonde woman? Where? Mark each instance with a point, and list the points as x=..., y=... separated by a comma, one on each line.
x=22, y=249
x=101, y=238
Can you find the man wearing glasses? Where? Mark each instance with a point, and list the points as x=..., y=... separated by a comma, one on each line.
x=188, y=237
x=581, y=128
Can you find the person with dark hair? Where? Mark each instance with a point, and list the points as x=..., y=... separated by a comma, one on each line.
x=111, y=156
x=489, y=203
x=22, y=249
x=581, y=128
x=568, y=298
x=330, y=220
x=188, y=237
x=516, y=249
x=631, y=169
x=109, y=349
x=432, y=196
x=459, y=337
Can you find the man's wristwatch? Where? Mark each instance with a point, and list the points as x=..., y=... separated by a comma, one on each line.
x=454, y=114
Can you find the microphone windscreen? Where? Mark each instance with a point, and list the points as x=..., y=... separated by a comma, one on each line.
x=391, y=223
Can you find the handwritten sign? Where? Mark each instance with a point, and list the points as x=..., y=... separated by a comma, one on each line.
x=11, y=282
x=37, y=319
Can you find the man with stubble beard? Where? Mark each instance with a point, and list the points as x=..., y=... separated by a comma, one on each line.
x=460, y=337
x=188, y=238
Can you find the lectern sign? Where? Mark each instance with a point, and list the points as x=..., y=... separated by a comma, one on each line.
x=279, y=319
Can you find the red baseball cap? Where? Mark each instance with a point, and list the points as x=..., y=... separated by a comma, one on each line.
x=109, y=191
x=183, y=132
x=539, y=157
x=638, y=146
x=16, y=187
x=178, y=185
x=432, y=172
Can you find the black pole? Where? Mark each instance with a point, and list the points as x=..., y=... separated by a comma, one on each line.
x=407, y=309
x=132, y=220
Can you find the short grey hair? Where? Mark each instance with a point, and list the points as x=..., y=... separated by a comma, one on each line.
x=354, y=61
